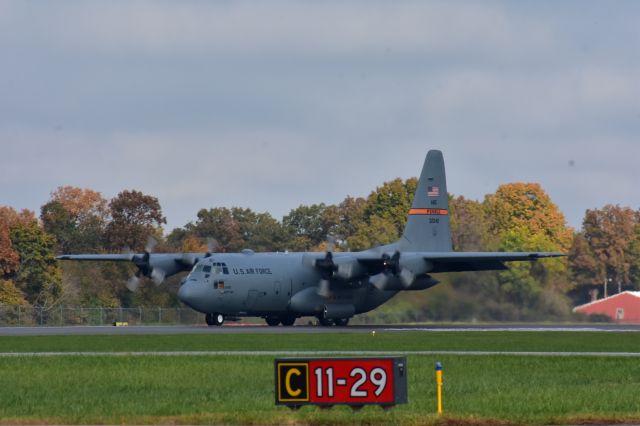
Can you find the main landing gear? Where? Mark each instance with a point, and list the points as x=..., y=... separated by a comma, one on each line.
x=214, y=319
x=286, y=321
x=327, y=322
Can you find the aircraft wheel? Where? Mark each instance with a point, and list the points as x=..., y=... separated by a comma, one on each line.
x=288, y=321
x=326, y=322
x=342, y=322
x=209, y=319
x=214, y=319
x=272, y=321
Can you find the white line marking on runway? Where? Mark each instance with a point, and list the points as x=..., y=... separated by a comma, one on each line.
x=518, y=329
x=319, y=353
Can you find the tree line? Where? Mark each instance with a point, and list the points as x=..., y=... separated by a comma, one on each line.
x=516, y=217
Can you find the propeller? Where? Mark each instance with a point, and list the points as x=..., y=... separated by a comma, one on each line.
x=143, y=264
x=391, y=267
x=325, y=266
x=212, y=246
x=134, y=282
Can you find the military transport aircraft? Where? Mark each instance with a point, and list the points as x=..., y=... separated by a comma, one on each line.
x=333, y=287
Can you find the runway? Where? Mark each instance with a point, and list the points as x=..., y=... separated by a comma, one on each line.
x=238, y=329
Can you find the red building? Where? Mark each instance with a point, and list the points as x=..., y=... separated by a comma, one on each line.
x=622, y=307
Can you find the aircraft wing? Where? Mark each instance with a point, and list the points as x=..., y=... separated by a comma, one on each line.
x=98, y=257
x=481, y=261
x=156, y=265
x=449, y=261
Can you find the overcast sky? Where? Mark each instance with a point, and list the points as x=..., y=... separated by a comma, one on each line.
x=270, y=105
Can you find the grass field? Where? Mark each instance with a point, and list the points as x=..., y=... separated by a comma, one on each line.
x=495, y=389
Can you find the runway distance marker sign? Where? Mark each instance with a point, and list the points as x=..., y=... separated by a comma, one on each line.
x=346, y=381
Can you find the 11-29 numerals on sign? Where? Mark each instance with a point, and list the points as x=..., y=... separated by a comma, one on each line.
x=377, y=376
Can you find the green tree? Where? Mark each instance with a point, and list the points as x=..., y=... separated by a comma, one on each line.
x=351, y=215
x=392, y=202
x=10, y=295
x=377, y=231
x=309, y=226
x=38, y=276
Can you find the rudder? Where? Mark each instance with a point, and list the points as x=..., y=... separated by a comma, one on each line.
x=428, y=227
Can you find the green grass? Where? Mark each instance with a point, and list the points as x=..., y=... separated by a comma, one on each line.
x=239, y=390
x=407, y=341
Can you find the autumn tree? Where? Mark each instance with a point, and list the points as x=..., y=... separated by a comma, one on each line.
x=469, y=225
x=11, y=217
x=527, y=206
x=607, y=247
x=523, y=218
x=134, y=218
x=219, y=224
x=233, y=229
x=77, y=218
x=9, y=259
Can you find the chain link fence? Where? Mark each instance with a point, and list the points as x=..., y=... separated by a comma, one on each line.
x=79, y=315
x=29, y=316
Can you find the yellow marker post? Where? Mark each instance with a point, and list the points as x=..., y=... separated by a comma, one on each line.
x=439, y=383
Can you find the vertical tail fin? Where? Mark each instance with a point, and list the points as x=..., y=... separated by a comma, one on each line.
x=428, y=228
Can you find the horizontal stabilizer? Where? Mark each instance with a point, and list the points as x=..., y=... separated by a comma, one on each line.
x=481, y=261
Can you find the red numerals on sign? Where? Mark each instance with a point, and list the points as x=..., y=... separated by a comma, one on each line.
x=351, y=381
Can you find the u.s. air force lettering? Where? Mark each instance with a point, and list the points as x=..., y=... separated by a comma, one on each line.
x=252, y=271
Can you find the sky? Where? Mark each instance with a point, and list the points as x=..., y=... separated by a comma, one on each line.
x=270, y=105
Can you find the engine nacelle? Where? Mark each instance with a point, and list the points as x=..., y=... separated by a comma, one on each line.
x=349, y=268
x=422, y=282
x=335, y=311
x=307, y=302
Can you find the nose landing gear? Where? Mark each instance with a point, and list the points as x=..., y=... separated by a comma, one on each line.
x=214, y=319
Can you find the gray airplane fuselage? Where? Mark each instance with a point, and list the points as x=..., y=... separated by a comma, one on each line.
x=272, y=284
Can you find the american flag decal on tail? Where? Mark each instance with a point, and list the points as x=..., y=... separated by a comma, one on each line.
x=433, y=191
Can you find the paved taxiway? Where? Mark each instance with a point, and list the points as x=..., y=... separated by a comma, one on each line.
x=235, y=329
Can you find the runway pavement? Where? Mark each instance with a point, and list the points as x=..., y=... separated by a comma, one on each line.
x=238, y=329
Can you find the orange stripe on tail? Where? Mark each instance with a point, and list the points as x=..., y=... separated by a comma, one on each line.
x=428, y=211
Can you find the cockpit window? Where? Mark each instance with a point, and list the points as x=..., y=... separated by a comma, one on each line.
x=197, y=268
x=207, y=269
x=220, y=268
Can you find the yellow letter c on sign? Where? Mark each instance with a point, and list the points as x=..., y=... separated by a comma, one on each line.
x=287, y=382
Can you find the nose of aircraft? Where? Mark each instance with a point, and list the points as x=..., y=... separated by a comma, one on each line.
x=191, y=295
